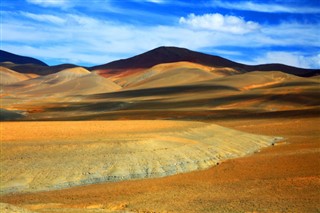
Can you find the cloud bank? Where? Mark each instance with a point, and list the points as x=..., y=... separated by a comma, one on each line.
x=219, y=22
x=50, y=3
x=57, y=35
x=265, y=7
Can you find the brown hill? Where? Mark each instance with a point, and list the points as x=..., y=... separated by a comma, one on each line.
x=170, y=74
x=149, y=59
x=174, y=54
x=8, y=76
x=37, y=69
x=73, y=81
x=253, y=94
x=18, y=59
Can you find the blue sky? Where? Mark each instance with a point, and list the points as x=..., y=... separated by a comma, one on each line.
x=99, y=31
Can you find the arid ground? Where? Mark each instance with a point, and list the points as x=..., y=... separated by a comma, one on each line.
x=169, y=130
x=281, y=178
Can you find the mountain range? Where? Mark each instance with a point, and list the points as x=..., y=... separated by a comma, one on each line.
x=17, y=59
x=163, y=83
x=148, y=59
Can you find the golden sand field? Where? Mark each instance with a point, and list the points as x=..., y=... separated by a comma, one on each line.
x=281, y=178
x=42, y=156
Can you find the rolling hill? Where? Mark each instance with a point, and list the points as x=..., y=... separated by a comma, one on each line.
x=8, y=76
x=164, y=83
x=147, y=60
x=17, y=59
x=174, y=54
x=72, y=81
x=170, y=74
x=166, y=102
x=36, y=69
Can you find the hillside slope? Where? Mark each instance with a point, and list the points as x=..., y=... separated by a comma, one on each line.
x=18, y=59
x=174, y=54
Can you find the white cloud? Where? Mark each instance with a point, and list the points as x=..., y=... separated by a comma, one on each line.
x=62, y=54
x=94, y=37
x=44, y=17
x=152, y=1
x=50, y=3
x=88, y=40
x=155, y=1
x=68, y=19
x=219, y=22
x=292, y=33
x=82, y=20
x=295, y=59
x=262, y=7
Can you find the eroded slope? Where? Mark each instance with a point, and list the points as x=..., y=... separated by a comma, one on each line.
x=53, y=155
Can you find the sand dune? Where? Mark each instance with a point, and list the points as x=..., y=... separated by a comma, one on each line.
x=57, y=155
x=87, y=84
x=72, y=73
x=35, y=95
x=275, y=91
x=93, y=84
x=258, y=79
x=98, y=98
x=61, y=77
x=8, y=76
x=73, y=81
x=172, y=74
x=249, y=90
x=46, y=81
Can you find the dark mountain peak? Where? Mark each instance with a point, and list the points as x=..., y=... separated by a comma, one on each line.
x=18, y=59
x=167, y=54
x=159, y=55
x=38, y=69
x=168, y=50
x=23, y=64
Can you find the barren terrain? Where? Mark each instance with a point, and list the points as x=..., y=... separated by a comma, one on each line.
x=283, y=178
x=170, y=130
x=52, y=155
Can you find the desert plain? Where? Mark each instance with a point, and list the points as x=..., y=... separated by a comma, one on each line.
x=281, y=178
x=172, y=137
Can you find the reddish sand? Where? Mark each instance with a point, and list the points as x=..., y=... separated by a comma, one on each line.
x=54, y=155
x=283, y=178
